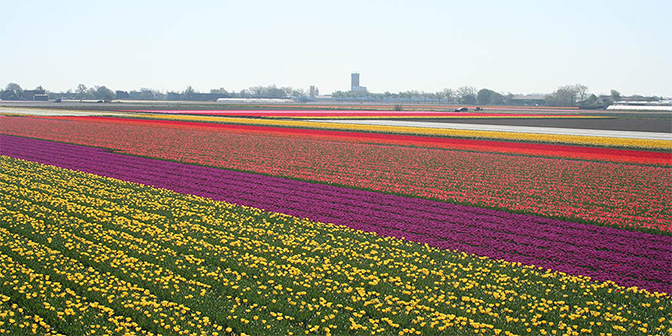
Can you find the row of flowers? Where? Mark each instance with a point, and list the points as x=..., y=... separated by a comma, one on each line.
x=626, y=257
x=496, y=135
x=169, y=263
x=622, y=195
x=15, y=320
x=29, y=290
x=647, y=157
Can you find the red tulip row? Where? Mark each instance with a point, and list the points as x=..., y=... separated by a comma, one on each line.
x=520, y=148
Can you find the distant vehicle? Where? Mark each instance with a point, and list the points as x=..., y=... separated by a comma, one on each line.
x=479, y=109
x=462, y=109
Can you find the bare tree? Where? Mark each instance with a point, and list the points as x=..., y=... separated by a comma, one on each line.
x=447, y=94
x=581, y=90
x=466, y=90
x=563, y=96
x=188, y=93
x=467, y=94
x=82, y=92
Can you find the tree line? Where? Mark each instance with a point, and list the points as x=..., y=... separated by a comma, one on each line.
x=14, y=91
x=467, y=95
x=567, y=95
x=575, y=95
x=463, y=94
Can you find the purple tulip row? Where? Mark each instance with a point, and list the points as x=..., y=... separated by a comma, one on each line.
x=625, y=257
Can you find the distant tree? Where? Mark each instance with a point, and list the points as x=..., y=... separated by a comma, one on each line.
x=497, y=99
x=352, y=94
x=256, y=91
x=466, y=90
x=219, y=91
x=189, y=93
x=615, y=95
x=299, y=94
x=12, y=91
x=484, y=96
x=13, y=87
x=144, y=94
x=432, y=95
x=284, y=92
x=222, y=93
x=563, y=96
x=467, y=94
x=102, y=92
x=448, y=94
x=54, y=95
x=82, y=92
x=468, y=99
x=414, y=95
x=581, y=90
x=271, y=91
x=158, y=95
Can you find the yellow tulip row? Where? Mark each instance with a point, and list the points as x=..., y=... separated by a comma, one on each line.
x=86, y=228
x=215, y=267
x=74, y=313
x=510, y=136
x=165, y=281
x=15, y=320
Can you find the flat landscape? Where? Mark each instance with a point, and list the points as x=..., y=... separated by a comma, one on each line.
x=208, y=219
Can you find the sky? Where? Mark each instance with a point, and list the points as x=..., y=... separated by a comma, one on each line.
x=507, y=46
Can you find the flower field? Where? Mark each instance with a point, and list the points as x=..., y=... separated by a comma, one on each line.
x=210, y=225
x=630, y=258
x=629, y=196
x=83, y=252
x=521, y=148
x=360, y=114
x=655, y=144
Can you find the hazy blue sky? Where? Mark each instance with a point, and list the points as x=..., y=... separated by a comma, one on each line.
x=509, y=46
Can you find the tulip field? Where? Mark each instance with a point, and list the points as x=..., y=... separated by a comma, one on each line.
x=371, y=114
x=193, y=225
